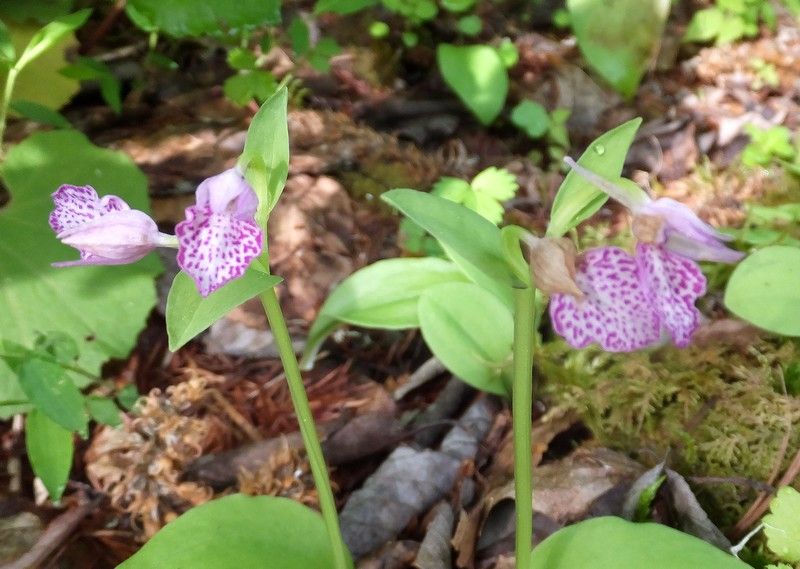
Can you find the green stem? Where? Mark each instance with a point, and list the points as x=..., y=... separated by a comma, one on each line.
x=307, y=429
x=11, y=78
x=521, y=414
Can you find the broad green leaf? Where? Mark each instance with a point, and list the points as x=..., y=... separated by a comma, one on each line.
x=188, y=313
x=477, y=74
x=470, y=331
x=28, y=86
x=457, y=5
x=50, y=451
x=265, y=159
x=782, y=524
x=470, y=240
x=343, y=6
x=40, y=113
x=88, y=69
x=531, y=117
x=103, y=410
x=238, y=532
x=704, y=26
x=101, y=308
x=577, y=198
x=47, y=386
x=7, y=51
x=619, y=38
x=614, y=543
x=381, y=295
x=41, y=11
x=182, y=18
x=50, y=35
x=764, y=289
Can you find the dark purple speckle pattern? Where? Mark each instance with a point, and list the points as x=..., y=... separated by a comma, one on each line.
x=216, y=248
x=630, y=300
x=617, y=311
x=677, y=283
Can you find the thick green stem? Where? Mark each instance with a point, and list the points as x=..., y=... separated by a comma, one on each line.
x=11, y=78
x=307, y=429
x=521, y=412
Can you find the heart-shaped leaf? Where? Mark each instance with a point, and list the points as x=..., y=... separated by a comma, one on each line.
x=478, y=76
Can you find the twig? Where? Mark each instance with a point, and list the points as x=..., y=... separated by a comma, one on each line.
x=104, y=26
x=54, y=536
x=426, y=372
x=735, y=480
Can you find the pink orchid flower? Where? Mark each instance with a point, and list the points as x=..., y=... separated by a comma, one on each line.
x=219, y=238
x=105, y=230
x=629, y=301
x=216, y=243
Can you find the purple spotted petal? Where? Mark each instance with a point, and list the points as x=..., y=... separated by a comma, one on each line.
x=617, y=312
x=228, y=193
x=676, y=283
x=74, y=206
x=216, y=248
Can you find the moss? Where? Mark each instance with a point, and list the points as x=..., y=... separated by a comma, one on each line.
x=715, y=411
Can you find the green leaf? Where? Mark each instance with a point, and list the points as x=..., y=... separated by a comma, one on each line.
x=128, y=396
x=265, y=159
x=531, y=117
x=182, y=18
x=103, y=410
x=343, y=6
x=237, y=532
x=50, y=451
x=508, y=53
x=454, y=320
x=40, y=113
x=28, y=86
x=54, y=394
x=7, y=51
x=619, y=38
x=299, y=36
x=614, y=543
x=188, y=313
x=452, y=189
x=83, y=302
x=469, y=25
x=88, y=69
x=243, y=88
x=764, y=289
x=50, y=35
x=240, y=58
x=381, y=295
x=379, y=30
x=478, y=76
x=320, y=56
x=578, y=199
x=471, y=241
x=497, y=183
x=704, y=26
x=782, y=524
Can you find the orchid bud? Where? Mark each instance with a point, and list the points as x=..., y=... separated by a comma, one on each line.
x=553, y=266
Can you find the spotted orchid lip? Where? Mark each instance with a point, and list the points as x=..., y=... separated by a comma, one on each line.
x=630, y=301
x=219, y=237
